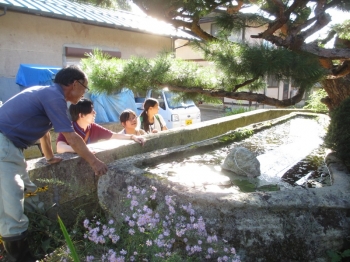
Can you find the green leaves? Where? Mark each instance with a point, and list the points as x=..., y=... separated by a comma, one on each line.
x=343, y=30
x=241, y=62
x=338, y=135
x=68, y=240
x=314, y=102
x=137, y=73
x=336, y=256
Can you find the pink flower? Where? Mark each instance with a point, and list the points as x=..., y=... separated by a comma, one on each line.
x=114, y=238
x=86, y=223
x=153, y=196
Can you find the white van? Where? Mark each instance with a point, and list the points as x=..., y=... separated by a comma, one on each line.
x=175, y=113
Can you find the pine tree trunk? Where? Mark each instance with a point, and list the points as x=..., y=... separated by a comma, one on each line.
x=337, y=90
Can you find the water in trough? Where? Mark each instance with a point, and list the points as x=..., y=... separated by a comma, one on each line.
x=290, y=155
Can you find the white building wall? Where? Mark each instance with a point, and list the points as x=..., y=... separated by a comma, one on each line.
x=31, y=39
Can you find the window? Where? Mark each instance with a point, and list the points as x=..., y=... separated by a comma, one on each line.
x=235, y=36
x=272, y=82
x=294, y=84
x=73, y=54
x=157, y=94
x=214, y=30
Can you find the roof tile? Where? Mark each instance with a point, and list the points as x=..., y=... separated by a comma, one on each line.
x=89, y=14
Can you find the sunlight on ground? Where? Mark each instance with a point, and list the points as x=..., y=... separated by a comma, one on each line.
x=193, y=174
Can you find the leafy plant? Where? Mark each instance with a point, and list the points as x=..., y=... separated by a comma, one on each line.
x=336, y=256
x=238, y=135
x=139, y=74
x=44, y=234
x=235, y=111
x=150, y=229
x=68, y=240
x=338, y=135
x=314, y=102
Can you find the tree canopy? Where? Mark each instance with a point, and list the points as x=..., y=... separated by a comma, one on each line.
x=241, y=68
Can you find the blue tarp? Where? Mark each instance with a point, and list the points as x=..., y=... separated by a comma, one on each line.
x=32, y=75
x=109, y=107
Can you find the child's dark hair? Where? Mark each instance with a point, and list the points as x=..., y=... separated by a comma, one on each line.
x=84, y=106
x=125, y=115
x=149, y=102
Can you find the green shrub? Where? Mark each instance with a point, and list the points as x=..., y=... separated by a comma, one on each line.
x=314, y=102
x=338, y=134
x=235, y=111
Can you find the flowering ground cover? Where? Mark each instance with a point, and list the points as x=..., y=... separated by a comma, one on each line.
x=151, y=230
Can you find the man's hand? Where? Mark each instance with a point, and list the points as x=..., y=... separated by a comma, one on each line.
x=54, y=160
x=99, y=167
x=79, y=146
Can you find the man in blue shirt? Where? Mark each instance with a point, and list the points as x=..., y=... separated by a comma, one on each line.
x=25, y=118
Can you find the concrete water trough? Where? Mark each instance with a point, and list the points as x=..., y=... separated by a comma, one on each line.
x=286, y=225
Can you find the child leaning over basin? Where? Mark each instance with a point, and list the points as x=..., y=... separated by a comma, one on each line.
x=83, y=118
x=128, y=119
x=150, y=120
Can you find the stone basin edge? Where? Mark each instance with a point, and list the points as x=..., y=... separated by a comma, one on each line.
x=335, y=196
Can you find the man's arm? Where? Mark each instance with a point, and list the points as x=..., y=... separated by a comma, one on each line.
x=78, y=145
x=45, y=143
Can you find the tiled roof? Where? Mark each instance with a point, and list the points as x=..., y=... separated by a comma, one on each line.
x=89, y=14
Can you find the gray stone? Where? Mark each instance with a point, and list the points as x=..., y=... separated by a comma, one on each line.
x=286, y=225
x=242, y=162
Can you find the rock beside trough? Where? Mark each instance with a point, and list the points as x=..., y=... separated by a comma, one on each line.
x=242, y=162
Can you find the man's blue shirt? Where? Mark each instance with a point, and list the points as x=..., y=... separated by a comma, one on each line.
x=29, y=115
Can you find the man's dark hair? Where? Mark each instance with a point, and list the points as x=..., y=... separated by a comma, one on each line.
x=84, y=106
x=125, y=115
x=69, y=74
